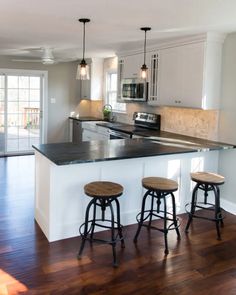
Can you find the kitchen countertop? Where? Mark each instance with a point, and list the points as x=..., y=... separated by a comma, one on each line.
x=86, y=119
x=95, y=151
x=164, y=137
x=150, y=143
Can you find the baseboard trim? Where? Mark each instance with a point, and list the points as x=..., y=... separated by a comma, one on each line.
x=228, y=206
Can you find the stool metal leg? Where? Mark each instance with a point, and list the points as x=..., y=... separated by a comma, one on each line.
x=113, y=239
x=93, y=222
x=193, y=204
x=118, y=224
x=217, y=210
x=165, y=227
x=174, y=216
x=85, y=234
x=142, y=216
x=150, y=217
x=205, y=193
x=220, y=213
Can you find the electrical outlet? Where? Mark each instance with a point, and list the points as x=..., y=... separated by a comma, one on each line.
x=53, y=100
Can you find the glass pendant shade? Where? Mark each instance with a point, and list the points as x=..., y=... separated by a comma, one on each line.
x=144, y=72
x=82, y=71
x=144, y=68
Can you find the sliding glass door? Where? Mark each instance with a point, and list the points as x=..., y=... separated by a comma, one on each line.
x=2, y=114
x=20, y=112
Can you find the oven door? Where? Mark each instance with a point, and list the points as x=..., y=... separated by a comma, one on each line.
x=119, y=135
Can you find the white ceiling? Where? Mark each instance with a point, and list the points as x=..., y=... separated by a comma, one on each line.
x=114, y=23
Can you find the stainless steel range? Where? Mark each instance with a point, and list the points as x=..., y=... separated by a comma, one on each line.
x=142, y=123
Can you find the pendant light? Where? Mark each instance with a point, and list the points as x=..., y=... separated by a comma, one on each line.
x=144, y=68
x=83, y=68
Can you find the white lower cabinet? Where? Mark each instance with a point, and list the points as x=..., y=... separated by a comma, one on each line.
x=89, y=135
x=93, y=132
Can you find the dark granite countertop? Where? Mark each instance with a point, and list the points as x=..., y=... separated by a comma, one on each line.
x=95, y=151
x=86, y=119
x=167, y=138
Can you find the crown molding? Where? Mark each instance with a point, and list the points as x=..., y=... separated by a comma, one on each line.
x=168, y=43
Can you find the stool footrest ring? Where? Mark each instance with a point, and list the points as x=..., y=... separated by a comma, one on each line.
x=204, y=206
x=117, y=238
x=169, y=215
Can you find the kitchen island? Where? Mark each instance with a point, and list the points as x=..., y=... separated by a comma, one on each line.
x=63, y=169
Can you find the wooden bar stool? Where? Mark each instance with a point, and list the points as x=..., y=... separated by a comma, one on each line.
x=207, y=182
x=158, y=189
x=104, y=194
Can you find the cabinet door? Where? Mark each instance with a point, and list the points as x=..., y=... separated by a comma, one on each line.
x=132, y=65
x=153, y=95
x=170, y=76
x=77, y=132
x=89, y=135
x=120, y=76
x=192, y=75
x=92, y=88
x=85, y=89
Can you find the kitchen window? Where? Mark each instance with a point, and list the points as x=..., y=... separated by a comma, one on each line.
x=111, y=93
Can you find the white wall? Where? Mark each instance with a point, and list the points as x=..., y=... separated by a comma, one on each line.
x=62, y=86
x=227, y=118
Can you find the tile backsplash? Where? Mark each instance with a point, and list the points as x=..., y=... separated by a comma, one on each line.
x=90, y=108
x=192, y=122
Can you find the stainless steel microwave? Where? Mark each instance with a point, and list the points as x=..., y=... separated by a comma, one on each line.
x=134, y=90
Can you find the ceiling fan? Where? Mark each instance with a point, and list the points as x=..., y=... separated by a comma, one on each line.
x=47, y=57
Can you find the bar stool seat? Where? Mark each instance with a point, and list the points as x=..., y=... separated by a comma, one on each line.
x=103, y=189
x=206, y=181
x=158, y=188
x=104, y=194
x=207, y=178
x=160, y=184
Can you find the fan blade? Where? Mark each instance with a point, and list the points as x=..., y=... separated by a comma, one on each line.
x=27, y=60
x=66, y=59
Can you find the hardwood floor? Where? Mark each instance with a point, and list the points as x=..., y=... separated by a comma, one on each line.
x=198, y=264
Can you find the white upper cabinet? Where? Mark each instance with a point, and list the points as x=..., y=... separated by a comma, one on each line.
x=184, y=73
x=181, y=76
x=169, y=76
x=190, y=75
x=192, y=66
x=132, y=65
x=92, y=89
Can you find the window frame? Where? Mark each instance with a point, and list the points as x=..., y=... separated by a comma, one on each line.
x=109, y=92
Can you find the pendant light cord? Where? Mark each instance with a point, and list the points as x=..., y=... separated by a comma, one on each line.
x=145, y=29
x=84, y=41
x=145, y=40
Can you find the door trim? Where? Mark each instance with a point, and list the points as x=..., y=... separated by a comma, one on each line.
x=44, y=103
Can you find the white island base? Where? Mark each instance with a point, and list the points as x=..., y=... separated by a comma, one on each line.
x=60, y=202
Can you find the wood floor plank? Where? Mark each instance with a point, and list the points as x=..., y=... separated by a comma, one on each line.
x=197, y=264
